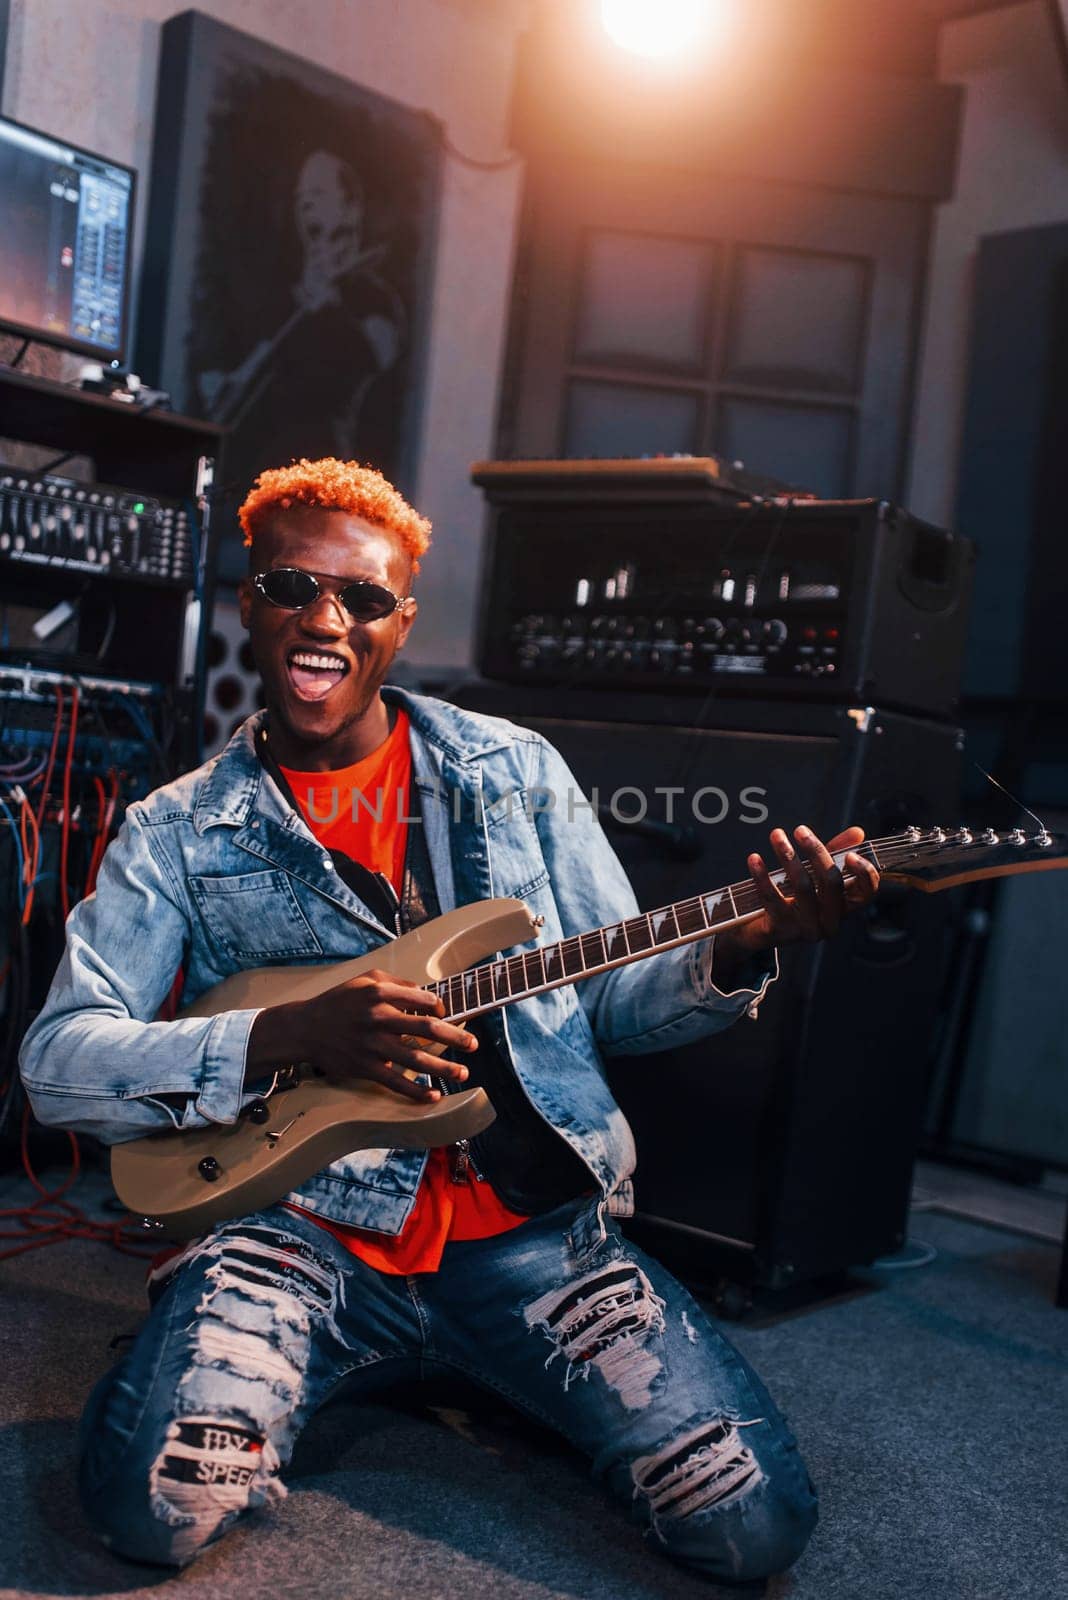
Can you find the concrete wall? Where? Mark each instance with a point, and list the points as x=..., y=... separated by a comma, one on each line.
x=86, y=71
x=1013, y=174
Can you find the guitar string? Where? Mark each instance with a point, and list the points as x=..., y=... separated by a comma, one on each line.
x=513, y=969
x=886, y=852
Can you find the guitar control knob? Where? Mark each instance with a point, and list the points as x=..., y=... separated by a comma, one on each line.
x=259, y=1111
x=209, y=1169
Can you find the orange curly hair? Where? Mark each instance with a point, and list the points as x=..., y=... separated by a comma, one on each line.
x=337, y=486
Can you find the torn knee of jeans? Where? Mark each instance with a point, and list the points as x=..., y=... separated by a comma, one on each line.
x=274, y=1271
x=604, y=1322
x=206, y=1475
x=706, y=1466
x=266, y=1294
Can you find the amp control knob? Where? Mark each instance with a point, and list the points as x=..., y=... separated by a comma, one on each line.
x=775, y=631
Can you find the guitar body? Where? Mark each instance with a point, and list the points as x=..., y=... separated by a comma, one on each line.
x=304, y=1128
x=188, y=1181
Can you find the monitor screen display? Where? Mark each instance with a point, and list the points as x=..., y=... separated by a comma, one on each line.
x=66, y=217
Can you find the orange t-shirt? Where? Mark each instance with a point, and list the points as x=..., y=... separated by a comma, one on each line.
x=363, y=810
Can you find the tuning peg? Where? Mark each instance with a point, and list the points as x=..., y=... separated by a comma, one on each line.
x=938, y=836
x=1017, y=836
x=989, y=836
x=963, y=835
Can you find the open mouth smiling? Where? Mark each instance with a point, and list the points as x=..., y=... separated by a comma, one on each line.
x=314, y=673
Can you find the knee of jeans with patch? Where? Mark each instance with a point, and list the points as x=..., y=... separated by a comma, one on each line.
x=604, y=1321
x=710, y=1504
x=232, y=1418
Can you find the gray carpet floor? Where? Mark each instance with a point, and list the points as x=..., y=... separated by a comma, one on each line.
x=931, y=1404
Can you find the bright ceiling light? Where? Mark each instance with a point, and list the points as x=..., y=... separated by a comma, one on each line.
x=661, y=28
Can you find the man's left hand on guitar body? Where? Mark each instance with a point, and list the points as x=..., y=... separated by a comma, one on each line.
x=809, y=906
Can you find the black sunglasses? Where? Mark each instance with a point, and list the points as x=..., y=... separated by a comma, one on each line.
x=293, y=589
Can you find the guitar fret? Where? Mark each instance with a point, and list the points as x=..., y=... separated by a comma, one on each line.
x=746, y=899
x=688, y=917
x=715, y=908
x=572, y=958
x=553, y=963
x=639, y=934
x=664, y=925
x=615, y=942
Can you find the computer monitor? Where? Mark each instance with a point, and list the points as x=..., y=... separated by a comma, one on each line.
x=66, y=221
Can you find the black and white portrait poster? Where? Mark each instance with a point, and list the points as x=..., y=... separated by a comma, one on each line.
x=289, y=259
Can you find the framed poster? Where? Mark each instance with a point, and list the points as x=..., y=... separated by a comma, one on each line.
x=288, y=259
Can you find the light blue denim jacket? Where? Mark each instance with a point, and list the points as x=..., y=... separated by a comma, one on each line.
x=215, y=873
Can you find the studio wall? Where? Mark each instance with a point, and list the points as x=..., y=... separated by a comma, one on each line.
x=87, y=71
x=1013, y=174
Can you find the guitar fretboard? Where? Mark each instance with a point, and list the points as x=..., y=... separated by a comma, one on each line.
x=497, y=983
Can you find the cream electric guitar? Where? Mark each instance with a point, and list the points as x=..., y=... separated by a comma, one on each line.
x=188, y=1181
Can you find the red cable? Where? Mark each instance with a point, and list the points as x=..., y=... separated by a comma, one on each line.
x=71, y=734
x=104, y=830
x=31, y=855
x=51, y=756
x=101, y=823
x=53, y=1219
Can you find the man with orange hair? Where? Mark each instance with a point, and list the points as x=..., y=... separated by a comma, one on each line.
x=501, y=1259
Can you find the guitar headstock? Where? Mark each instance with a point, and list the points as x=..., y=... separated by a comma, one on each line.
x=931, y=859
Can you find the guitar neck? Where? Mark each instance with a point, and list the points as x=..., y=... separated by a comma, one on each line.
x=492, y=984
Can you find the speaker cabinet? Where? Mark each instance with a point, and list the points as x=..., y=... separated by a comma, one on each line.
x=783, y=1148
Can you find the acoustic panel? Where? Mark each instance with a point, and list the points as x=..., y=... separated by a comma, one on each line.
x=616, y=419
x=798, y=320
x=643, y=299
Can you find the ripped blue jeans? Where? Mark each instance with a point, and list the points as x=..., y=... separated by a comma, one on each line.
x=254, y=1326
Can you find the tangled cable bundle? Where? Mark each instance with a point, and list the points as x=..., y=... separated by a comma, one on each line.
x=51, y=1219
x=52, y=796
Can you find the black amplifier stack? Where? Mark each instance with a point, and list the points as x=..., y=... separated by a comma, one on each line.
x=713, y=661
x=790, y=597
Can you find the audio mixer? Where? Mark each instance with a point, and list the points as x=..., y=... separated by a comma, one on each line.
x=52, y=521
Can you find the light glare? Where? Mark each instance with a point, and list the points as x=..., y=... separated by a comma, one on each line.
x=659, y=28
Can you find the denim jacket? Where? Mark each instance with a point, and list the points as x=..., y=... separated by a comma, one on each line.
x=216, y=873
